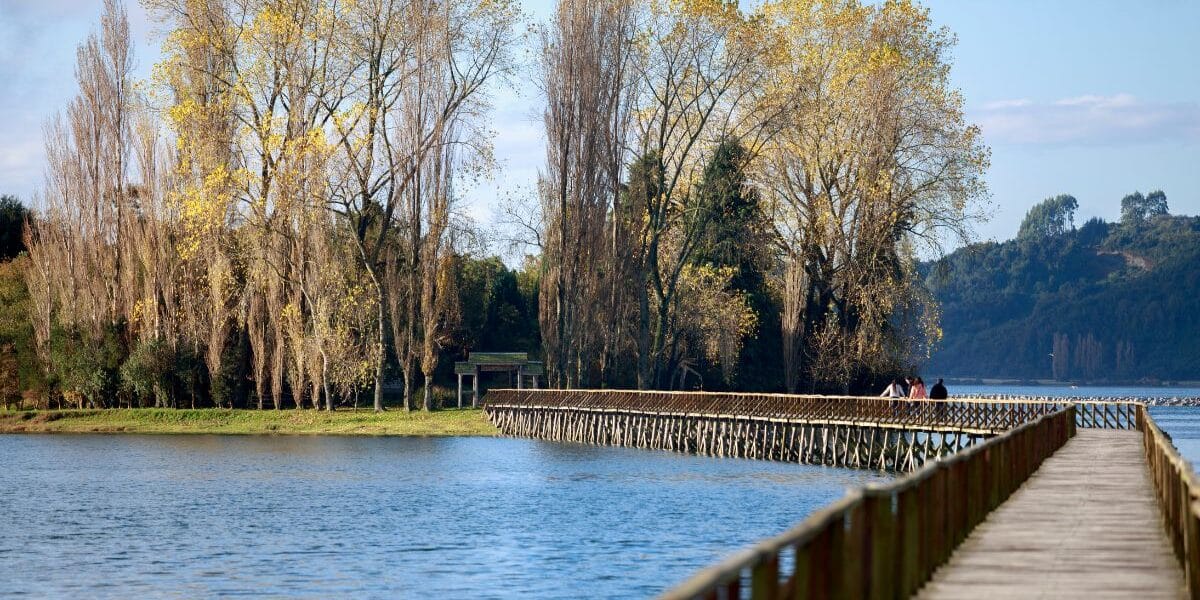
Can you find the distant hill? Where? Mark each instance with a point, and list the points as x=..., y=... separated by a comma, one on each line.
x=1111, y=302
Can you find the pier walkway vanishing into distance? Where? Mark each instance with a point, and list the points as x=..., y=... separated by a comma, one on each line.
x=1085, y=525
x=993, y=498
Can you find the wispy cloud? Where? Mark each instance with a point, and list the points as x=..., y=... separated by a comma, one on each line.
x=1003, y=104
x=1089, y=120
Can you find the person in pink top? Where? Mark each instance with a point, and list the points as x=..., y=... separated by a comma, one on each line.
x=917, y=391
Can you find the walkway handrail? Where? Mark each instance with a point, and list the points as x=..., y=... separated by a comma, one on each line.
x=958, y=414
x=1178, y=491
x=886, y=540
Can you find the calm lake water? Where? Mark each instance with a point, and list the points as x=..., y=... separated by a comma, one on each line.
x=1066, y=391
x=1182, y=423
x=188, y=516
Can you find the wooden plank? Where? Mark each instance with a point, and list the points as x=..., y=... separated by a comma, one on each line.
x=1085, y=525
x=482, y=358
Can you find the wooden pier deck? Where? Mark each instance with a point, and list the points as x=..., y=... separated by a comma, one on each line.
x=1075, y=498
x=1085, y=525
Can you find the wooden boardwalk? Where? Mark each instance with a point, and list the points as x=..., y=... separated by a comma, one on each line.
x=1085, y=525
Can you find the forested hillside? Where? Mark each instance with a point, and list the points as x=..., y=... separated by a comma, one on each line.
x=1104, y=302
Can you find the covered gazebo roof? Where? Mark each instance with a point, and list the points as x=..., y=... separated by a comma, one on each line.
x=494, y=362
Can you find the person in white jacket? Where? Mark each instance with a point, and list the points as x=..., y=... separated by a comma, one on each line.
x=895, y=390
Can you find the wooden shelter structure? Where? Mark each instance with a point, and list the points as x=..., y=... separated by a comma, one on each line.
x=528, y=371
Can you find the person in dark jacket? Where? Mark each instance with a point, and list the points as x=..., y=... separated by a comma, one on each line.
x=938, y=391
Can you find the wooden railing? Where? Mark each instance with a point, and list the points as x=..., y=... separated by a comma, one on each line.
x=885, y=541
x=961, y=414
x=1178, y=492
x=1106, y=414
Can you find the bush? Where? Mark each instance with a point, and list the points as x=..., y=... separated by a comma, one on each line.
x=87, y=370
x=12, y=227
x=148, y=373
x=16, y=332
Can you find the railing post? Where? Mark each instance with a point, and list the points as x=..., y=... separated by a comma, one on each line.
x=764, y=578
x=997, y=480
x=1191, y=563
x=855, y=556
x=978, y=471
x=940, y=510
x=907, y=541
x=1182, y=502
x=956, y=504
x=801, y=584
x=835, y=583
x=962, y=489
x=882, y=540
x=926, y=526
x=733, y=589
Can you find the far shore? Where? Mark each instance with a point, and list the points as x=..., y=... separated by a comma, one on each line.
x=452, y=422
x=1053, y=382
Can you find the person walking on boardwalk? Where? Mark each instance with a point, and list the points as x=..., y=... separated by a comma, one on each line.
x=938, y=391
x=917, y=391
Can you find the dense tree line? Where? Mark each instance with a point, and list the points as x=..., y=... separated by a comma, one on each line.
x=499, y=307
x=1104, y=302
x=730, y=199
x=275, y=212
x=763, y=184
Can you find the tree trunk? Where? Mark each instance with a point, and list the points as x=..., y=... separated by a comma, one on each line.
x=381, y=346
x=427, y=403
x=325, y=381
x=643, y=339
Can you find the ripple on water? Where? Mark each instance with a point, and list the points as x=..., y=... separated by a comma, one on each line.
x=183, y=516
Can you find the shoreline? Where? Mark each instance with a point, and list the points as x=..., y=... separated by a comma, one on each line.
x=224, y=421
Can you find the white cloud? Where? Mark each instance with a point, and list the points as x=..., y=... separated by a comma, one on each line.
x=1003, y=104
x=1099, y=102
x=1089, y=120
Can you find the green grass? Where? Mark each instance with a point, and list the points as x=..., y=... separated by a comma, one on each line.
x=248, y=422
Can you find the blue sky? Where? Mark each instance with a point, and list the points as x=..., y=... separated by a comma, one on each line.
x=1093, y=98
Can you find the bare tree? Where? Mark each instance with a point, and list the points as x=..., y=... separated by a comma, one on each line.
x=585, y=64
x=81, y=253
x=418, y=69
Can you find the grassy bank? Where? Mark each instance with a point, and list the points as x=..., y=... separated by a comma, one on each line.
x=247, y=422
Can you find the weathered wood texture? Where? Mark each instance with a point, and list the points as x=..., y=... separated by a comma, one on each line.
x=1177, y=489
x=885, y=541
x=1085, y=525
